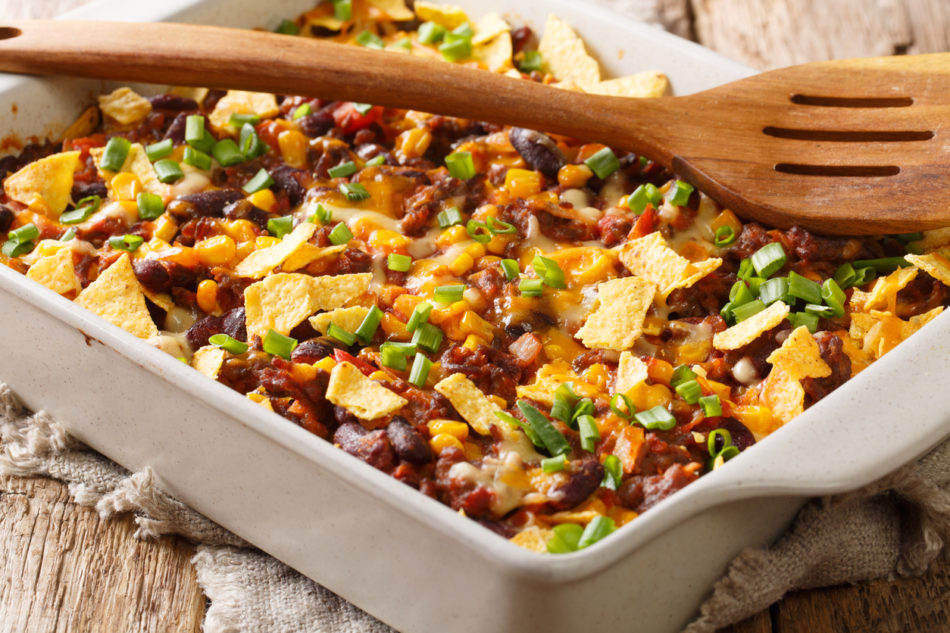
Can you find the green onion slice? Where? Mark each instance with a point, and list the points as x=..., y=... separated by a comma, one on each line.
x=712, y=406
x=399, y=263
x=596, y=530
x=588, y=432
x=725, y=235
x=340, y=234
x=565, y=539
x=553, y=440
x=478, y=231
x=629, y=408
x=159, y=150
x=603, y=163
x=68, y=235
x=428, y=337
x=682, y=373
x=337, y=333
x=150, y=205
x=286, y=27
x=746, y=310
x=882, y=264
x=420, y=314
x=514, y=422
x=549, y=271
x=238, y=119
x=430, y=32
x=500, y=227
x=690, y=391
x=554, y=464
x=613, y=473
x=367, y=329
x=834, y=297
x=714, y=444
x=279, y=227
x=129, y=243
x=115, y=153
x=460, y=165
x=449, y=217
x=393, y=357
x=531, y=287
x=678, y=195
x=227, y=343
x=455, y=47
x=775, y=289
x=450, y=293
x=354, y=191
x=343, y=10
x=197, y=158
x=370, y=40
x=804, y=288
x=656, y=418
x=803, y=318
x=261, y=180
x=420, y=370
x=530, y=61
x=322, y=214
x=226, y=152
x=511, y=269
x=769, y=259
x=84, y=209
x=342, y=170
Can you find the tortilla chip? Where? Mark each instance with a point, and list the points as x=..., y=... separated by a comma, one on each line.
x=533, y=538
x=564, y=55
x=914, y=323
x=549, y=378
x=56, y=272
x=261, y=399
x=799, y=356
x=208, y=360
x=651, y=83
x=496, y=54
x=116, y=296
x=125, y=106
x=395, y=10
x=347, y=318
x=84, y=125
x=784, y=395
x=263, y=104
x=162, y=299
x=650, y=257
x=883, y=295
x=282, y=301
x=488, y=28
x=447, y=15
x=473, y=405
x=934, y=264
x=308, y=253
x=137, y=163
x=44, y=185
x=262, y=261
x=617, y=320
x=743, y=333
x=631, y=371
x=361, y=396
x=190, y=92
x=934, y=238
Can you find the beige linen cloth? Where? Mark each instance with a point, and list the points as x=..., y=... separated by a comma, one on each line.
x=894, y=527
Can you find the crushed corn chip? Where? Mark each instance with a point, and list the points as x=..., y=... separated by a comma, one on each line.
x=651, y=83
x=308, y=253
x=490, y=26
x=190, y=92
x=651, y=258
x=56, y=272
x=137, y=163
x=116, y=296
x=799, y=356
x=125, y=106
x=549, y=378
x=347, y=318
x=283, y=300
x=262, y=104
x=495, y=54
x=48, y=179
x=747, y=331
x=533, y=538
x=934, y=264
x=877, y=333
x=617, y=320
x=631, y=371
x=361, y=396
x=262, y=261
x=395, y=10
x=784, y=395
x=447, y=15
x=884, y=293
x=565, y=55
x=208, y=360
x=473, y=405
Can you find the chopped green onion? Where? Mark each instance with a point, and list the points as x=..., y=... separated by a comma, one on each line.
x=613, y=473
x=370, y=40
x=449, y=217
x=615, y=401
x=531, y=287
x=725, y=235
x=342, y=170
x=150, y=205
x=455, y=47
x=690, y=391
x=286, y=27
x=322, y=214
x=420, y=370
x=13, y=248
x=21, y=241
x=500, y=227
x=250, y=143
x=603, y=163
x=746, y=310
x=514, y=422
x=656, y=418
x=727, y=453
x=398, y=263
x=450, y=293
x=279, y=227
x=596, y=530
x=84, y=209
x=822, y=312
x=261, y=180
x=128, y=242
x=554, y=464
x=584, y=406
x=740, y=293
x=478, y=231
x=343, y=10
x=565, y=539
x=196, y=135
x=238, y=119
x=340, y=234
x=460, y=165
x=714, y=439
x=775, y=289
x=197, y=158
x=354, y=191
x=301, y=111
x=882, y=264
x=754, y=284
x=393, y=357
x=834, y=297
x=564, y=401
x=864, y=276
x=910, y=237
x=553, y=440
x=464, y=30
x=678, y=195
x=804, y=288
x=428, y=337
x=420, y=314
x=430, y=32
x=588, y=432
x=405, y=43
x=226, y=152
x=68, y=235
x=798, y=319
x=227, y=343
x=159, y=150
x=548, y=271
x=115, y=153
x=337, y=333
x=746, y=269
x=712, y=406
x=367, y=329
x=375, y=161
x=682, y=373
x=845, y=275
x=643, y=195
x=530, y=61
x=769, y=259
x=511, y=269
x=362, y=108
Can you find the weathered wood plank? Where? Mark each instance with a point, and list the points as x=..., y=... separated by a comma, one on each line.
x=759, y=623
x=63, y=569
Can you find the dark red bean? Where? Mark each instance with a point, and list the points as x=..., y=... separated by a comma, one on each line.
x=373, y=447
x=172, y=102
x=583, y=478
x=243, y=209
x=311, y=351
x=286, y=180
x=6, y=218
x=316, y=124
x=538, y=150
x=176, y=130
x=82, y=189
x=206, y=203
x=408, y=443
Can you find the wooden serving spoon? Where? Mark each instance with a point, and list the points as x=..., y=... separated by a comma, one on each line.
x=849, y=147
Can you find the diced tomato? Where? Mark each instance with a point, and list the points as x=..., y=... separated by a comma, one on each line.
x=340, y=356
x=350, y=120
x=84, y=144
x=645, y=223
x=268, y=131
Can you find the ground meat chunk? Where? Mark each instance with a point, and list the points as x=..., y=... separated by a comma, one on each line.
x=583, y=478
x=642, y=493
x=373, y=447
x=230, y=323
x=832, y=352
x=492, y=371
x=458, y=493
x=703, y=298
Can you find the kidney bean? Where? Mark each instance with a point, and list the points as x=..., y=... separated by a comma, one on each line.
x=176, y=131
x=243, y=209
x=583, y=478
x=373, y=447
x=204, y=204
x=311, y=351
x=285, y=177
x=642, y=493
x=82, y=189
x=172, y=102
x=316, y=124
x=6, y=218
x=538, y=150
x=408, y=443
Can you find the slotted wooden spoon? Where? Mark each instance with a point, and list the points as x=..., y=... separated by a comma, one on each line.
x=854, y=146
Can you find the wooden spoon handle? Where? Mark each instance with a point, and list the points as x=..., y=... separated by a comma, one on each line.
x=216, y=57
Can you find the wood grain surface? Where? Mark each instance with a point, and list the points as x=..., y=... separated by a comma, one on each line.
x=62, y=569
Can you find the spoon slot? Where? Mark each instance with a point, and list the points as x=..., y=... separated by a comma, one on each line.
x=838, y=171
x=852, y=102
x=9, y=32
x=844, y=136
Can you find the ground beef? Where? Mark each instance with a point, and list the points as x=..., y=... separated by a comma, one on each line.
x=642, y=493
x=703, y=298
x=493, y=371
x=832, y=352
x=583, y=477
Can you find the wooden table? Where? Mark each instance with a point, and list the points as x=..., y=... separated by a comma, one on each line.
x=65, y=570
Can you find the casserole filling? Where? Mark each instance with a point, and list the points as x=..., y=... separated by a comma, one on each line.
x=544, y=334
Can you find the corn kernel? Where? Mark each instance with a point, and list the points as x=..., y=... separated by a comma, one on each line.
x=472, y=342
x=727, y=218
x=452, y=328
x=452, y=427
x=244, y=249
x=473, y=324
x=405, y=304
x=451, y=235
x=239, y=230
x=461, y=264
x=660, y=371
x=472, y=451
x=380, y=375
x=694, y=251
x=293, y=147
x=574, y=176
x=263, y=199
x=207, y=295
x=216, y=251
x=387, y=295
x=265, y=241
x=498, y=401
x=125, y=186
x=498, y=243
x=303, y=373
x=325, y=364
x=388, y=240
x=443, y=441
x=487, y=261
x=441, y=315
x=393, y=327
x=522, y=183
x=413, y=143
x=363, y=228
x=475, y=250
x=756, y=418
x=49, y=247
x=165, y=228
x=597, y=375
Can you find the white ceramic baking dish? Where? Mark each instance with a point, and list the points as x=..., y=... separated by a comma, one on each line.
x=403, y=557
